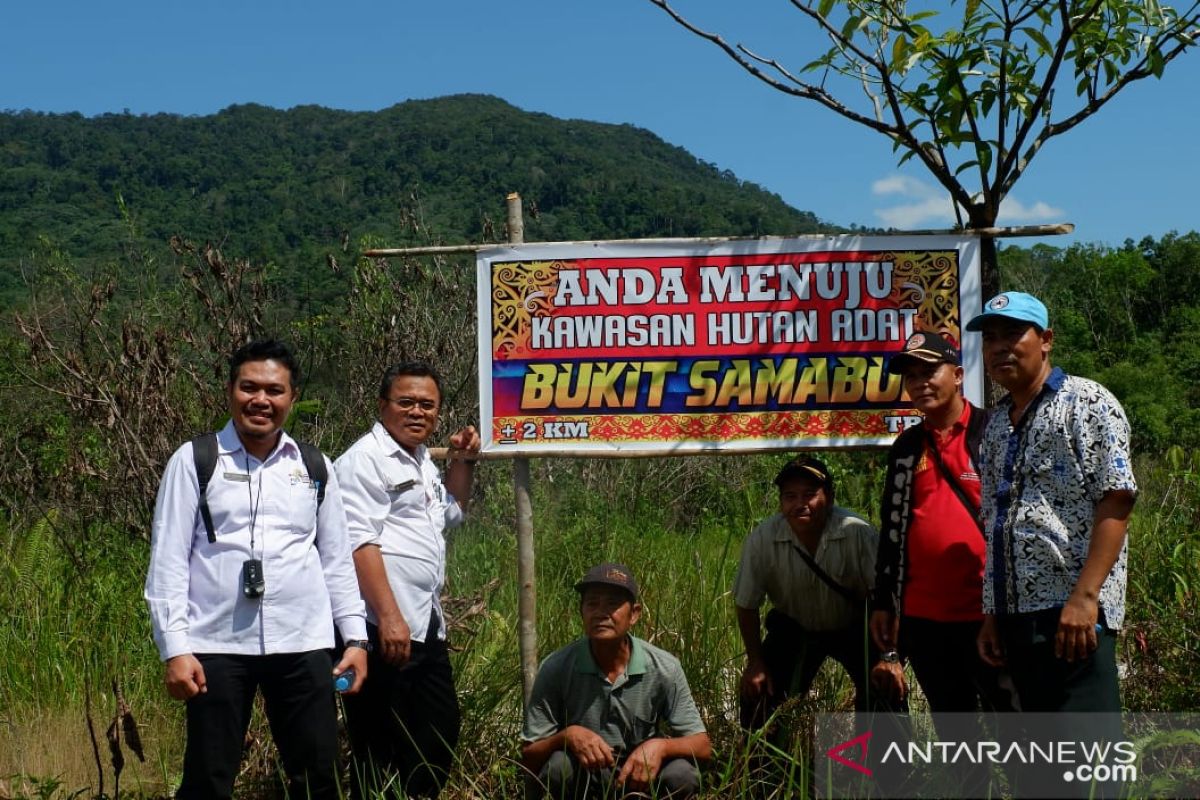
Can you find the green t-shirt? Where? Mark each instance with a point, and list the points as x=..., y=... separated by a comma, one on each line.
x=652, y=693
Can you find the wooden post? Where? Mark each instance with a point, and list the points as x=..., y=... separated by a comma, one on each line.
x=526, y=573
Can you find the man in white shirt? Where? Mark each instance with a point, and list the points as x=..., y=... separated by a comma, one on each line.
x=253, y=603
x=404, y=725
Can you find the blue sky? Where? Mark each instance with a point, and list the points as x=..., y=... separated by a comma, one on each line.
x=1128, y=172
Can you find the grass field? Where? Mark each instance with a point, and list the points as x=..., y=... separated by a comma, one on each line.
x=72, y=621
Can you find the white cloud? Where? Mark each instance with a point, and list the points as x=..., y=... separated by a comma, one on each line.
x=897, y=184
x=925, y=205
x=1013, y=212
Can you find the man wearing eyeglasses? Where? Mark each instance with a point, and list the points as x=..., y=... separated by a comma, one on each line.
x=404, y=724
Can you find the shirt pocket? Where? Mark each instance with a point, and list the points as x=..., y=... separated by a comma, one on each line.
x=301, y=510
x=643, y=729
x=405, y=491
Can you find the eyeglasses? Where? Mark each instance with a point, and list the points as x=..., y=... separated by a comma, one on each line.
x=409, y=403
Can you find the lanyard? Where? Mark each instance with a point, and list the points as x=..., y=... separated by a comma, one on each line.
x=254, y=501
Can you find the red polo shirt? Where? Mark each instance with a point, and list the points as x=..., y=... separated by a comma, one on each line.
x=946, y=551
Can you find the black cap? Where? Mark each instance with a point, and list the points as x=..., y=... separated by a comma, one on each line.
x=808, y=468
x=609, y=574
x=931, y=348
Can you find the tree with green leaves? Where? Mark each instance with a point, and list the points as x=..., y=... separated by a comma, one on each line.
x=972, y=90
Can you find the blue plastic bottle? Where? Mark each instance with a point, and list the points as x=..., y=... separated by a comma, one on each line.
x=343, y=682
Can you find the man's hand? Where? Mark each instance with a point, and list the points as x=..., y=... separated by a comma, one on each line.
x=887, y=678
x=185, y=677
x=1076, y=639
x=755, y=681
x=642, y=766
x=354, y=657
x=589, y=749
x=465, y=440
x=395, y=639
x=885, y=629
x=988, y=642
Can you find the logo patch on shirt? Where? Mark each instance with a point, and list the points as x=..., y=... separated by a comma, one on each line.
x=298, y=477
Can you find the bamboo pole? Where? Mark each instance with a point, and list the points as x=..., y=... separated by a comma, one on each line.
x=526, y=572
x=1054, y=229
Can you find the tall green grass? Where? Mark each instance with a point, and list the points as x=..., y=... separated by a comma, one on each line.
x=70, y=623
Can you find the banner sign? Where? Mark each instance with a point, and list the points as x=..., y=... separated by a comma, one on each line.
x=691, y=346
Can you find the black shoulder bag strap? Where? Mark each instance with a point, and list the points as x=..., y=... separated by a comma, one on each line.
x=959, y=491
x=204, y=456
x=852, y=597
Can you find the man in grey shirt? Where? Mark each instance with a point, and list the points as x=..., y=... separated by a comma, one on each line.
x=815, y=561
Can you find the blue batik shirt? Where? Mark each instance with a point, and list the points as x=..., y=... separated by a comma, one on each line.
x=1042, y=480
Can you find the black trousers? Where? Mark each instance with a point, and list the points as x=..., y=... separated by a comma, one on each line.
x=946, y=662
x=1047, y=683
x=958, y=685
x=405, y=721
x=794, y=655
x=298, y=693
x=1076, y=701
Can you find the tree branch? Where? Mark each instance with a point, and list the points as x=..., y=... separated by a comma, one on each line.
x=1139, y=72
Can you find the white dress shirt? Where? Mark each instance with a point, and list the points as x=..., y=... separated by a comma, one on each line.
x=396, y=500
x=194, y=587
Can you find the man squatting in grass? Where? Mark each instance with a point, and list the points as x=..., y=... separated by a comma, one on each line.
x=223, y=636
x=592, y=721
x=1058, y=489
x=405, y=723
x=816, y=615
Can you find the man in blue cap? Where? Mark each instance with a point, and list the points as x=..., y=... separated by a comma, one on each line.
x=1057, y=492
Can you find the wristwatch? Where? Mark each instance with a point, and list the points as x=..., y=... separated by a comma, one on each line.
x=890, y=657
x=362, y=644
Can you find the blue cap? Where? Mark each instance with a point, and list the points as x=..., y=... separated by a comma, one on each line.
x=1013, y=305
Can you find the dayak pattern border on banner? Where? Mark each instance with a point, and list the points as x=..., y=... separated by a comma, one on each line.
x=719, y=427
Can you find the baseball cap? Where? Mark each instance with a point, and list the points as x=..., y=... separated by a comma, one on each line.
x=1013, y=305
x=931, y=348
x=609, y=574
x=806, y=467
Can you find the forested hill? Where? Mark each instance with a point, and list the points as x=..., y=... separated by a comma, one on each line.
x=290, y=186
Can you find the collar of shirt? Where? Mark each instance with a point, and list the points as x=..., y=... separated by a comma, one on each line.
x=955, y=429
x=390, y=446
x=229, y=442
x=1054, y=382
x=584, y=662
x=832, y=532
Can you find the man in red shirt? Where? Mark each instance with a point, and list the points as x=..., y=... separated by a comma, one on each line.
x=927, y=602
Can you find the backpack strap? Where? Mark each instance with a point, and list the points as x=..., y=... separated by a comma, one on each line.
x=314, y=463
x=204, y=455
